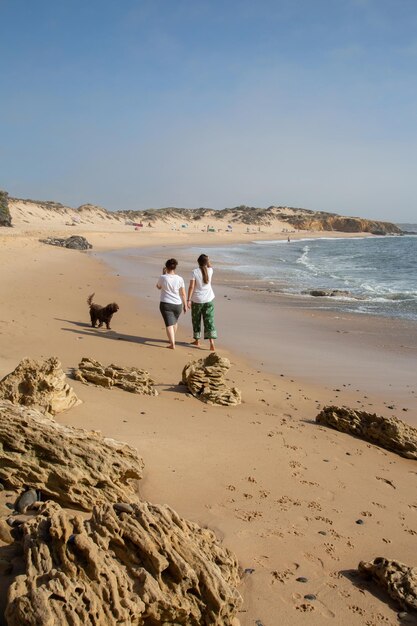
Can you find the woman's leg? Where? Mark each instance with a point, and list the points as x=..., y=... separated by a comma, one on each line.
x=171, y=336
x=196, y=320
x=170, y=313
x=210, y=331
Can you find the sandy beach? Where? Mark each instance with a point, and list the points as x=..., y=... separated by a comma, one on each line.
x=281, y=492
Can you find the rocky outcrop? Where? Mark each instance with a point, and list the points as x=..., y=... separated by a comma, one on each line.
x=388, y=432
x=129, y=562
x=329, y=293
x=75, y=467
x=128, y=378
x=75, y=242
x=399, y=580
x=144, y=567
x=304, y=219
x=40, y=385
x=5, y=217
x=205, y=379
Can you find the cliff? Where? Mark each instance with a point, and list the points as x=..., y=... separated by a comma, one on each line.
x=304, y=219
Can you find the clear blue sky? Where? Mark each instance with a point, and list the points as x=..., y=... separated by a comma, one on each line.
x=148, y=103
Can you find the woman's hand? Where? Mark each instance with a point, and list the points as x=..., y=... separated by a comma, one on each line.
x=189, y=304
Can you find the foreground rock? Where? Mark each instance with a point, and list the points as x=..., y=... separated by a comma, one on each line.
x=128, y=378
x=145, y=567
x=75, y=242
x=205, y=379
x=399, y=580
x=75, y=467
x=388, y=432
x=40, y=385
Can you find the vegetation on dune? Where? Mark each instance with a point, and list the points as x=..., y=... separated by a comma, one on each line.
x=5, y=217
x=295, y=218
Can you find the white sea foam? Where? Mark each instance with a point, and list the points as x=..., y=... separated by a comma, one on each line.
x=378, y=272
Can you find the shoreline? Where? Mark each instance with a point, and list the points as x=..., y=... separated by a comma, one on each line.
x=280, y=491
x=372, y=355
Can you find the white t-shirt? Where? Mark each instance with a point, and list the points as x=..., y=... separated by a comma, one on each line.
x=202, y=292
x=170, y=285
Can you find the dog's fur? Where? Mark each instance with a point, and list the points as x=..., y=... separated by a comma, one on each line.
x=101, y=314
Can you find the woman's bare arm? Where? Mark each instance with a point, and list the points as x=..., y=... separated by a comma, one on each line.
x=190, y=291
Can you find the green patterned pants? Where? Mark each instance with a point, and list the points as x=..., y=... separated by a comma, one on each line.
x=205, y=311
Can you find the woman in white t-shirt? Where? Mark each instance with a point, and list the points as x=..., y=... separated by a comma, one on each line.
x=172, y=299
x=201, y=301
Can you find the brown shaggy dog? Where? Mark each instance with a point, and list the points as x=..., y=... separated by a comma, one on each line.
x=101, y=314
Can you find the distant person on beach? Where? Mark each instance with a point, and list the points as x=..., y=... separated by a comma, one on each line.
x=201, y=301
x=172, y=299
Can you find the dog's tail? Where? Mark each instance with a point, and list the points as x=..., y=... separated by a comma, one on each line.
x=90, y=299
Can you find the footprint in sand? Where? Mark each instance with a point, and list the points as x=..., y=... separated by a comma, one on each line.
x=297, y=465
x=356, y=609
x=381, y=506
x=314, y=505
x=263, y=493
x=282, y=576
x=326, y=520
x=305, y=607
x=247, y=516
x=386, y=481
x=286, y=502
x=272, y=532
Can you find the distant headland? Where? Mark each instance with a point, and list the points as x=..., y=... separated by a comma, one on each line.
x=282, y=217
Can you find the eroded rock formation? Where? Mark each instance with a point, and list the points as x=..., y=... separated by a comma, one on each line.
x=128, y=378
x=388, y=432
x=40, y=385
x=75, y=467
x=205, y=379
x=124, y=561
x=75, y=242
x=145, y=567
x=305, y=219
x=399, y=580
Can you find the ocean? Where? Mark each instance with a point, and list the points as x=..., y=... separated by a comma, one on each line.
x=368, y=275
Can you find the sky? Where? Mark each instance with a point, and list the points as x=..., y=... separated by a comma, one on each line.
x=135, y=104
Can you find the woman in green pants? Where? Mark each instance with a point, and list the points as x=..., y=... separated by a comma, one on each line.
x=201, y=301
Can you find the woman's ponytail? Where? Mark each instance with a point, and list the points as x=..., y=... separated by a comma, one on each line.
x=204, y=263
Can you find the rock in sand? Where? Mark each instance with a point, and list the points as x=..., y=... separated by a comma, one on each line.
x=205, y=379
x=41, y=385
x=388, y=432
